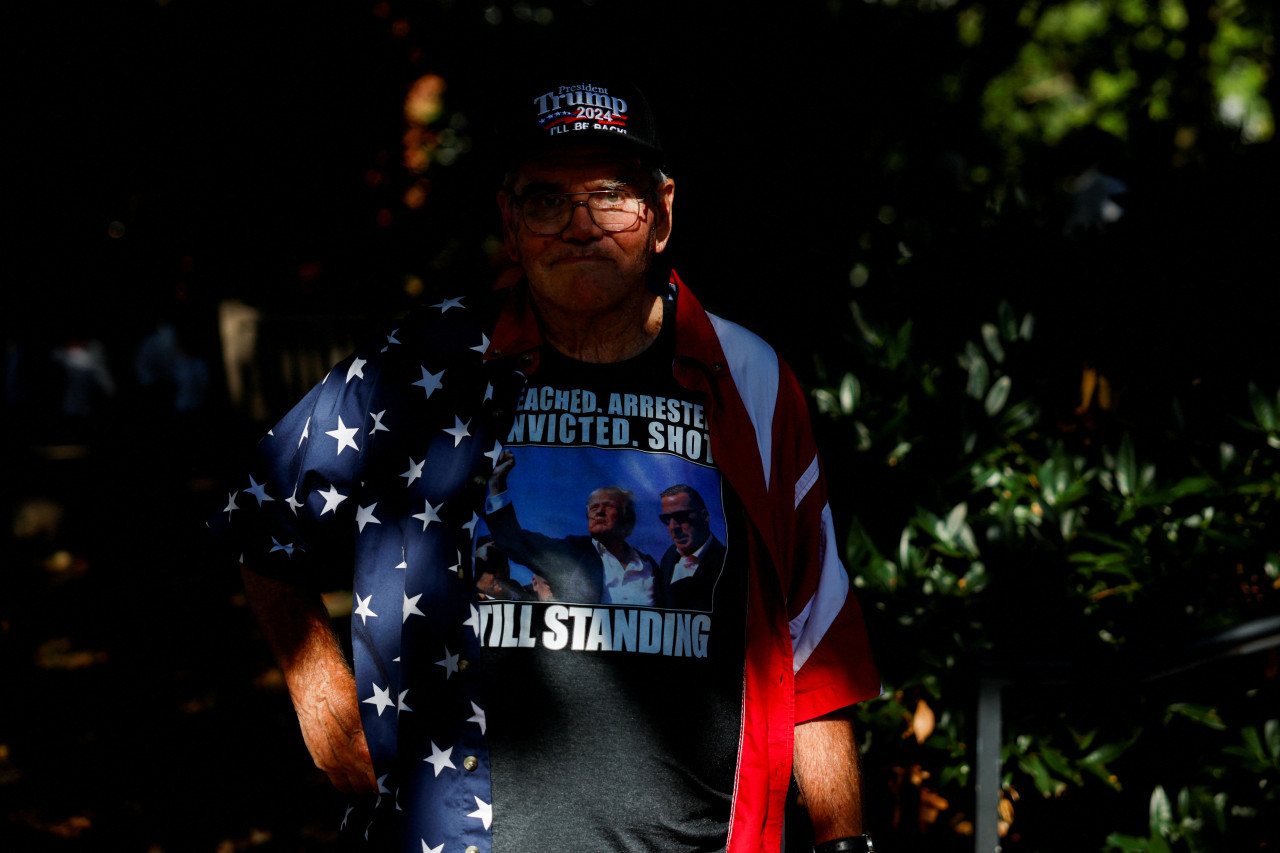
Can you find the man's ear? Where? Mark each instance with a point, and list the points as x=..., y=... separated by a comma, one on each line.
x=664, y=197
x=509, y=226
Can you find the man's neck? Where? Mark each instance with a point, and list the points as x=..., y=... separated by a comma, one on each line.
x=694, y=549
x=616, y=335
x=616, y=546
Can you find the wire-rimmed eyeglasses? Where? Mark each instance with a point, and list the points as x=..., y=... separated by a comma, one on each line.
x=549, y=213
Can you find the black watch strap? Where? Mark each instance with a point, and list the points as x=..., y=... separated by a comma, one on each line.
x=852, y=844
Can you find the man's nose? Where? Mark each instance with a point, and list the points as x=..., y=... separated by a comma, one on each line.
x=581, y=226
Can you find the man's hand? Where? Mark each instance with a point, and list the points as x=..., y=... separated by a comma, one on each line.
x=541, y=588
x=319, y=680
x=498, y=479
x=329, y=716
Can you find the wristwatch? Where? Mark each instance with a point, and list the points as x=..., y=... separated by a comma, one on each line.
x=852, y=844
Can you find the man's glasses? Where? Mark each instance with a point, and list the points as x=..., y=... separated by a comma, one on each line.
x=549, y=213
x=680, y=516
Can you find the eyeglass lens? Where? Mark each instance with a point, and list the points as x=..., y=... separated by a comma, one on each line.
x=610, y=210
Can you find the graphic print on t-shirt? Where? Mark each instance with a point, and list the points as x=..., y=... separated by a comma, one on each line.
x=607, y=514
x=612, y=624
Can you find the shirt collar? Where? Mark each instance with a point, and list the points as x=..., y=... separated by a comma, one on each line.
x=516, y=333
x=629, y=556
x=697, y=555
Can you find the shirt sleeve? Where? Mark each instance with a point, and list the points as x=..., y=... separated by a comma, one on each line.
x=300, y=495
x=831, y=652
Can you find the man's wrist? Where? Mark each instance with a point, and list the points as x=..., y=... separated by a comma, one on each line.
x=851, y=844
x=496, y=501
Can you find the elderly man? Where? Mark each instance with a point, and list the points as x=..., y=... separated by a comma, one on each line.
x=471, y=725
x=597, y=568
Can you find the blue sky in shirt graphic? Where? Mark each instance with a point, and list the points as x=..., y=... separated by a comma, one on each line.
x=549, y=488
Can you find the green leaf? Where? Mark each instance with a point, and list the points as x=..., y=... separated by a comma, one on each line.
x=1127, y=843
x=1059, y=764
x=1084, y=739
x=1161, y=813
x=1263, y=409
x=883, y=573
x=1226, y=455
x=1184, y=803
x=864, y=435
x=1254, y=743
x=998, y=396
x=1106, y=776
x=955, y=520
x=979, y=377
x=850, y=393
x=900, y=450
x=1106, y=753
x=1045, y=783
x=1219, y=801
x=1193, y=486
x=1067, y=524
x=1028, y=327
x=899, y=346
x=1020, y=416
x=1271, y=728
x=1205, y=715
x=975, y=579
x=1126, y=468
x=1008, y=321
x=991, y=337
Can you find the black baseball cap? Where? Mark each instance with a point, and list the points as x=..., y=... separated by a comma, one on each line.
x=573, y=110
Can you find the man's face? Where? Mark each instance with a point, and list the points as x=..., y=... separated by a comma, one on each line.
x=605, y=515
x=585, y=270
x=687, y=526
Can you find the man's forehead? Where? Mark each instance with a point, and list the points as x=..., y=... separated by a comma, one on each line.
x=580, y=165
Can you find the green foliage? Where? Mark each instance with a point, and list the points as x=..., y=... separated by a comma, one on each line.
x=1106, y=62
x=1084, y=545
x=1201, y=818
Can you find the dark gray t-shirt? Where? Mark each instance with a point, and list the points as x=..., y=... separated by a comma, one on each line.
x=612, y=726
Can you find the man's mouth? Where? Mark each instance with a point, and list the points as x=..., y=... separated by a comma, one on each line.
x=582, y=259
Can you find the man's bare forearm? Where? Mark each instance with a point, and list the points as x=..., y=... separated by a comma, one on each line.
x=320, y=682
x=827, y=772
x=296, y=626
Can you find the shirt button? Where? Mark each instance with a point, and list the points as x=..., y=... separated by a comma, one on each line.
x=470, y=762
x=463, y=664
x=472, y=849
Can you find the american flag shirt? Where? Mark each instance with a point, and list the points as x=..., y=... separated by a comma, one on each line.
x=381, y=467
